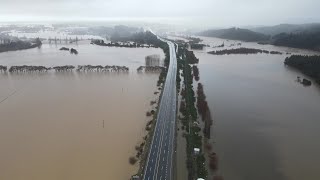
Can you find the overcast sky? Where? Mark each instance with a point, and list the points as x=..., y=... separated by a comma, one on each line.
x=205, y=13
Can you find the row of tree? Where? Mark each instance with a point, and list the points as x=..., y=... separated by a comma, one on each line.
x=81, y=68
x=197, y=46
x=190, y=57
x=117, y=44
x=26, y=68
x=99, y=68
x=150, y=68
x=195, y=163
x=243, y=50
x=204, y=111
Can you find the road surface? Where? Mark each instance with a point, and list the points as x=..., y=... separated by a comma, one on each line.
x=159, y=162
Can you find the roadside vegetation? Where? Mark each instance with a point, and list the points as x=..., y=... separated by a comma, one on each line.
x=142, y=149
x=195, y=162
x=196, y=119
x=190, y=57
x=195, y=71
x=204, y=111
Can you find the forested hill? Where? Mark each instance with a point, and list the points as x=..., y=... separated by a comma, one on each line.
x=305, y=36
x=235, y=34
x=287, y=28
x=304, y=40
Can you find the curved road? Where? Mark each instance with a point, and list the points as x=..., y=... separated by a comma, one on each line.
x=159, y=162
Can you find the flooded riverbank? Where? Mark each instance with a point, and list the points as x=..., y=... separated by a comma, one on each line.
x=73, y=125
x=265, y=123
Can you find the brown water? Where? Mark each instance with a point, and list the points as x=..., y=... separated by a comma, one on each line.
x=266, y=125
x=64, y=126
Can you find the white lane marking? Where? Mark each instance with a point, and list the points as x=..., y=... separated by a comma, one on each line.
x=169, y=81
x=163, y=124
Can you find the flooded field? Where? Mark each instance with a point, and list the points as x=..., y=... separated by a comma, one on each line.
x=73, y=125
x=265, y=123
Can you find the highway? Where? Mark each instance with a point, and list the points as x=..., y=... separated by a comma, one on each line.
x=160, y=157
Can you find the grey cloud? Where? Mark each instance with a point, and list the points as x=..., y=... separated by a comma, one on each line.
x=206, y=12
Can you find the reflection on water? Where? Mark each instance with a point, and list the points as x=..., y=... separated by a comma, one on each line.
x=72, y=125
x=265, y=124
x=50, y=55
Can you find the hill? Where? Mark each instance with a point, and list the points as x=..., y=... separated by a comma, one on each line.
x=287, y=28
x=236, y=34
x=304, y=40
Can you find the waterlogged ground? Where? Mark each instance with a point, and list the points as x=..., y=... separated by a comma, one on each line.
x=266, y=125
x=73, y=126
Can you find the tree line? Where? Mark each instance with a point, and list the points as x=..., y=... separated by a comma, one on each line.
x=80, y=68
x=150, y=68
x=309, y=65
x=243, y=50
x=304, y=40
x=19, y=45
x=195, y=163
x=117, y=44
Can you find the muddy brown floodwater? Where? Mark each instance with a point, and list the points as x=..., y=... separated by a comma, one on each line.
x=266, y=125
x=73, y=126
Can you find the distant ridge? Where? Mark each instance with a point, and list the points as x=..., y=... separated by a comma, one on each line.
x=305, y=36
x=287, y=28
x=236, y=34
